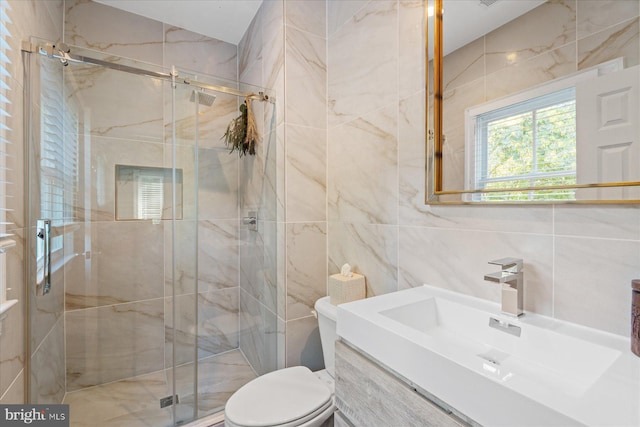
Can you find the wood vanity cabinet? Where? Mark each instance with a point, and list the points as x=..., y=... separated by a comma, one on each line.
x=368, y=395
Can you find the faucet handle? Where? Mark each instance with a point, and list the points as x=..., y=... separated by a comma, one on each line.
x=506, y=263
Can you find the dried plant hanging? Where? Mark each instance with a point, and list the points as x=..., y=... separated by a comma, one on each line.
x=242, y=132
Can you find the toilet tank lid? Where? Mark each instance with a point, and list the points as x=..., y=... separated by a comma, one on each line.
x=278, y=397
x=323, y=306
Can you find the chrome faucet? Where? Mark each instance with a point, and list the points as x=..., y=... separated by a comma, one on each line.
x=511, y=277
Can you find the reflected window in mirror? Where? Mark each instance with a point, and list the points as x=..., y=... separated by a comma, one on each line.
x=530, y=139
x=527, y=144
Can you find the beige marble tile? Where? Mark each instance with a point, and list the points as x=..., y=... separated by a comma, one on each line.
x=598, y=15
x=217, y=184
x=15, y=394
x=464, y=65
x=410, y=47
x=411, y=160
x=306, y=267
x=545, y=28
x=339, y=12
x=114, y=342
x=622, y=40
x=180, y=266
x=306, y=74
x=219, y=377
x=271, y=199
x=183, y=157
x=105, y=154
x=258, y=266
x=107, y=29
x=129, y=263
x=249, y=47
x=197, y=53
x=362, y=174
x=360, y=79
x=303, y=344
x=281, y=268
x=453, y=158
x=458, y=260
x=99, y=93
x=609, y=222
x=592, y=283
x=12, y=357
x=306, y=168
x=371, y=250
x=273, y=76
x=522, y=75
x=212, y=325
x=457, y=100
x=48, y=367
x=134, y=400
x=307, y=15
x=218, y=255
x=509, y=219
x=199, y=124
x=258, y=334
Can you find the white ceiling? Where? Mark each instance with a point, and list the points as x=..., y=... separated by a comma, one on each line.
x=227, y=20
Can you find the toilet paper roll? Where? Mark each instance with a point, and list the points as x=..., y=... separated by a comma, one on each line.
x=346, y=289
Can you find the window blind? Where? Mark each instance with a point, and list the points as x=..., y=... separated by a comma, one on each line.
x=58, y=149
x=6, y=136
x=540, y=134
x=149, y=194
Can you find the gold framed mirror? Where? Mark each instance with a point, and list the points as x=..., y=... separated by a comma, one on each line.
x=533, y=101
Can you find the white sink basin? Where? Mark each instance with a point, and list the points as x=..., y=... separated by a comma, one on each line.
x=553, y=373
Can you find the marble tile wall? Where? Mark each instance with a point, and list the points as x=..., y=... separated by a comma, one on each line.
x=260, y=61
x=579, y=260
x=285, y=49
x=305, y=179
x=44, y=20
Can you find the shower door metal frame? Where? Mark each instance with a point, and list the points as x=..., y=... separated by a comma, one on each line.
x=62, y=52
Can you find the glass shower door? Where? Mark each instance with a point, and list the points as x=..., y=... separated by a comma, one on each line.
x=151, y=300
x=97, y=173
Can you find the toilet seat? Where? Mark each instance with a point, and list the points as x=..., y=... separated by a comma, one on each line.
x=284, y=398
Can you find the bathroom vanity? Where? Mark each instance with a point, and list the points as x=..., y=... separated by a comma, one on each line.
x=367, y=394
x=431, y=357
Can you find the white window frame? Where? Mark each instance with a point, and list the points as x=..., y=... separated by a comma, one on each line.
x=6, y=242
x=543, y=89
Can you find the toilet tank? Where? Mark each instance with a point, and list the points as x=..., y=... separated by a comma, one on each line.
x=327, y=317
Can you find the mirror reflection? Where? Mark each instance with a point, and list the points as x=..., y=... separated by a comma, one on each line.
x=540, y=94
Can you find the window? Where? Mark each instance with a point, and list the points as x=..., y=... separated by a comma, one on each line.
x=149, y=194
x=527, y=139
x=6, y=135
x=58, y=150
x=531, y=143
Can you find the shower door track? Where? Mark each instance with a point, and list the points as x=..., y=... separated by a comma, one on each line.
x=62, y=52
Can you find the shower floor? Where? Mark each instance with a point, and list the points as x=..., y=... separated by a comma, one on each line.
x=134, y=402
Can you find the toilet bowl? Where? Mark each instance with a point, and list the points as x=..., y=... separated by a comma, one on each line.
x=291, y=397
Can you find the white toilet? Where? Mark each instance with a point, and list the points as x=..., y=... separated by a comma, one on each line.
x=291, y=397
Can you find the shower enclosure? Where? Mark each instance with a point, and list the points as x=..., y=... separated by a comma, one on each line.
x=151, y=248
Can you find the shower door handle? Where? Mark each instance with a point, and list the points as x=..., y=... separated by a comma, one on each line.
x=43, y=256
x=251, y=221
